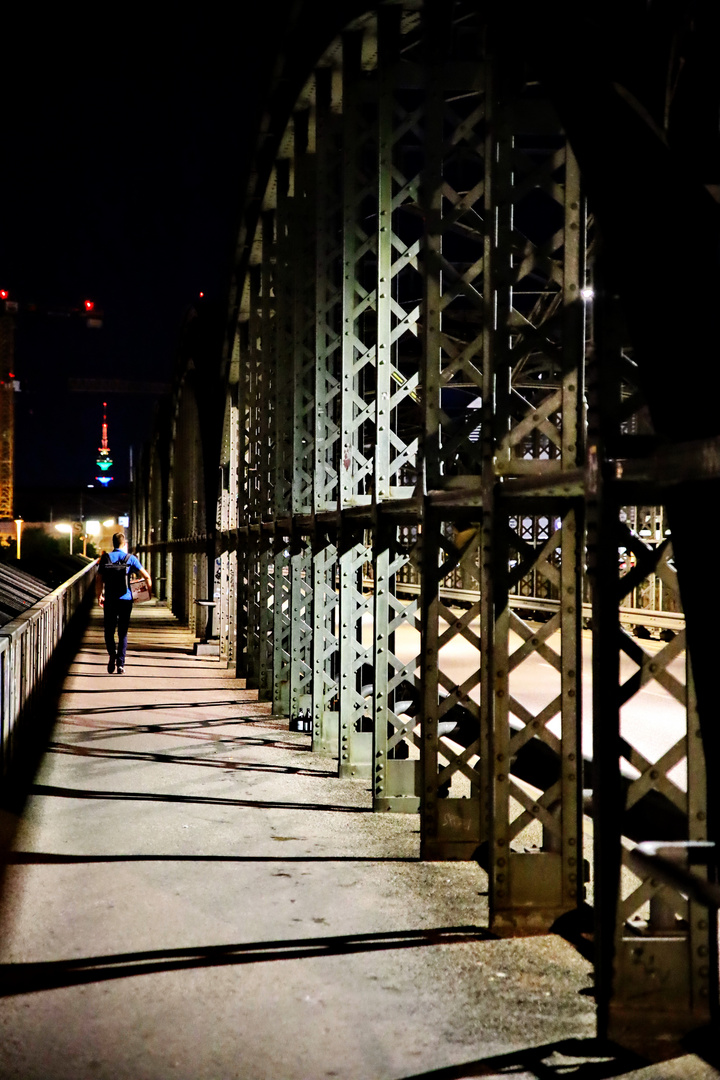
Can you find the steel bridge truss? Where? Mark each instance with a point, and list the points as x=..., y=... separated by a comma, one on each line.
x=411, y=461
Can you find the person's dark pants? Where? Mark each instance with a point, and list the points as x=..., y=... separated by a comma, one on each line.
x=116, y=617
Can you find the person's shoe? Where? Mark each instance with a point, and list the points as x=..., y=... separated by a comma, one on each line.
x=111, y=666
x=120, y=669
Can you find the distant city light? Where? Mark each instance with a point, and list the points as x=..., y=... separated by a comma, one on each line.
x=201, y=295
x=587, y=293
x=4, y=294
x=89, y=305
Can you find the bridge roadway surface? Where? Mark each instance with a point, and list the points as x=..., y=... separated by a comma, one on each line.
x=192, y=894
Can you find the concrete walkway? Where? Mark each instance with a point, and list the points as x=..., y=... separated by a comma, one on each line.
x=194, y=895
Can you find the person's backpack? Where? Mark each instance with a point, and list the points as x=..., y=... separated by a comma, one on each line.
x=115, y=577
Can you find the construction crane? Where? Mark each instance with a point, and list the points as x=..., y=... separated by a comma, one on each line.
x=8, y=386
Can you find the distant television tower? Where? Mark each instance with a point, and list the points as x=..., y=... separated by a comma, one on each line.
x=104, y=461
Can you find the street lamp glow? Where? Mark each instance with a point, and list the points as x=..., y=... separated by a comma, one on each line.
x=92, y=528
x=587, y=293
x=18, y=529
x=109, y=523
x=63, y=527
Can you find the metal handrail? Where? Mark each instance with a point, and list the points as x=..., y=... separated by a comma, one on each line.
x=26, y=645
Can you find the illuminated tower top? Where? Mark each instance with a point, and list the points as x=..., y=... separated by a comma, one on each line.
x=104, y=461
x=104, y=430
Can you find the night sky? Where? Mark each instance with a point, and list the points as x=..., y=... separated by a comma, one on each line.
x=123, y=159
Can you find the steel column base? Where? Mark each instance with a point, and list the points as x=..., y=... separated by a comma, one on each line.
x=657, y=1035
x=326, y=734
x=356, y=771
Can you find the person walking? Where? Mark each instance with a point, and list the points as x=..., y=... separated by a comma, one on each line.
x=112, y=588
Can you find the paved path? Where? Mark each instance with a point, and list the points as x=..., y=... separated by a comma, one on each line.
x=194, y=895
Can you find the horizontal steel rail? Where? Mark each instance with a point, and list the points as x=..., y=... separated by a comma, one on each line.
x=27, y=645
x=666, y=620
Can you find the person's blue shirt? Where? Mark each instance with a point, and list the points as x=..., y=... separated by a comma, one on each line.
x=132, y=564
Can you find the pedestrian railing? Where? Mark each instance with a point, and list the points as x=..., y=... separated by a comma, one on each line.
x=27, y=645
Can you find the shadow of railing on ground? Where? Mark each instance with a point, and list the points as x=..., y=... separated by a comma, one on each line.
x=581, y=1059
x=147, y=796
x=51, y=858
x=25, y=978
x=111, y=754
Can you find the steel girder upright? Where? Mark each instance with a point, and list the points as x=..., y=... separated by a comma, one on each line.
x=396, y=491
x=241, y=349
x=503, y=325
x=656, y=947
x=187, y=504
x=226, y=525
x=262, y=552
x=532, y=399
x=357, y=403
x=268, y=465
x=253, y=418
x=299, y=237
x=451, y=387
x=282, y=405
x=326, y=434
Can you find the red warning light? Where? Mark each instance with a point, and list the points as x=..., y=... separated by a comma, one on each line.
x=201, y=295
x=89, y=305
x=4, y=294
